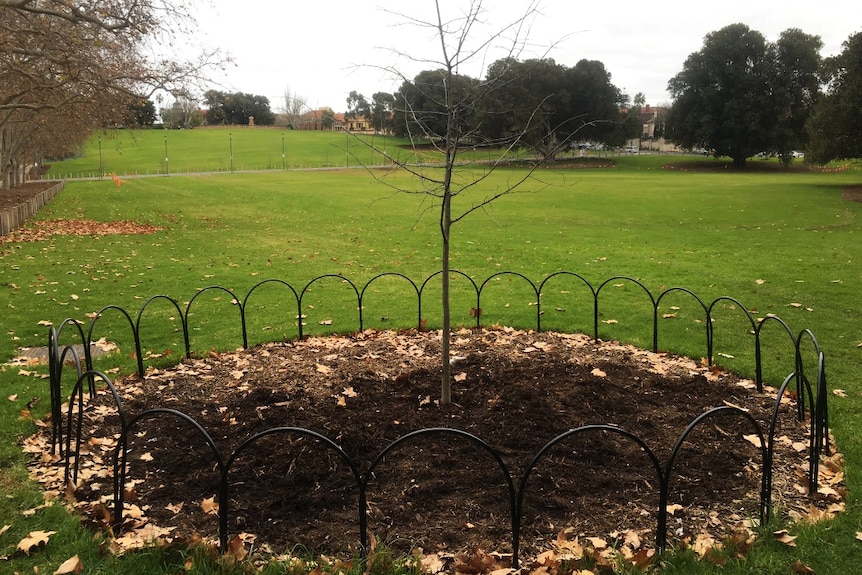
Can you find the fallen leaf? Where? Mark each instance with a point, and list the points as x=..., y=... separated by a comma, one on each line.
x=236, y=548
x=461, y=376
x=597, y=542
x=704, y=545
x=672, y=509
x=753, y=439
x=71, y=565
x=174, y=508
x=349, y=392
x=34, y=539
x=323, y=368
x=210, y=506
x=784, y=537
x=4, y=529
x=801, y=568
x=13, y=397
x=432, y=564
x=760, y=282
x=598, y=373
x=839, y=392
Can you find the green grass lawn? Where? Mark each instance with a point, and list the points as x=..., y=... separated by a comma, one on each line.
x=770, y=238
x=238, y=148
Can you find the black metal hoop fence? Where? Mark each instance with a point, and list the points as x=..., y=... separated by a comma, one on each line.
x=67, y=433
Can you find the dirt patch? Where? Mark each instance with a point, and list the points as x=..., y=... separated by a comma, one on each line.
x=11, y=197
x=515, y=390
x=852, y=194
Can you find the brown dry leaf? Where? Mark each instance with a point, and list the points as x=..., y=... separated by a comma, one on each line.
x=858, y=535
x=598, y=373
x=753, y=439
x=610, y=321
x=801, y=568
x=597, y=542
x=632, y=539
x=669, y=316
x=643, y=558
x=461, y=376
x=474, y=562
x=704, y=544
x=349, y=392
x=784, y=537
x=210, y=506
x=146, y=457
x=4, y=529
x=432, y=564
x=672, y=509
x=342, y=402
x=174, y=508
x=236, y=548
x=839, y=392
x=760, y=282
x=325, y=369
x=569, y=548
x=13, y=397
x=34, y=539
x=71, y=565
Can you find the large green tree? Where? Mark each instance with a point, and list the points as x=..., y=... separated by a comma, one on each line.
x=421, y=106
x=740, y=95
x=835, y=127
x=382, y=105
x=236, y=108
x=530, y=103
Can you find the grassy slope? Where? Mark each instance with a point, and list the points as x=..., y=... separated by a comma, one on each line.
x=715, y=233
x=142, y=152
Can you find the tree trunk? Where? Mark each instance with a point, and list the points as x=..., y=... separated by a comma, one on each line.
x=445, y=227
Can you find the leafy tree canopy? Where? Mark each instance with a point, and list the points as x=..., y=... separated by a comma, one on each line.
x=835, y=127
x=740, y=95
x=536, y=102
x=236, y=108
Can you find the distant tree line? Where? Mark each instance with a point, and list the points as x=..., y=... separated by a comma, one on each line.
x=535, y=102
x=737, y=97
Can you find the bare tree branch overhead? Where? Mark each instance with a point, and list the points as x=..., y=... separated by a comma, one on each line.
x=68, y=67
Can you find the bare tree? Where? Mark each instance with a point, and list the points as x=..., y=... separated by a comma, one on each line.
x=294, y=106
x=452, y=103
x=78, y=65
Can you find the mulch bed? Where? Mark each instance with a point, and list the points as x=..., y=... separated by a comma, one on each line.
x=515, y=390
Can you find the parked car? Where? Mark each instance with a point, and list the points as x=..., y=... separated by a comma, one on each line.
x=797, y=155
x=631, y=149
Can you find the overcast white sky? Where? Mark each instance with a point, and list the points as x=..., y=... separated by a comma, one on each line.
x=323, y=49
